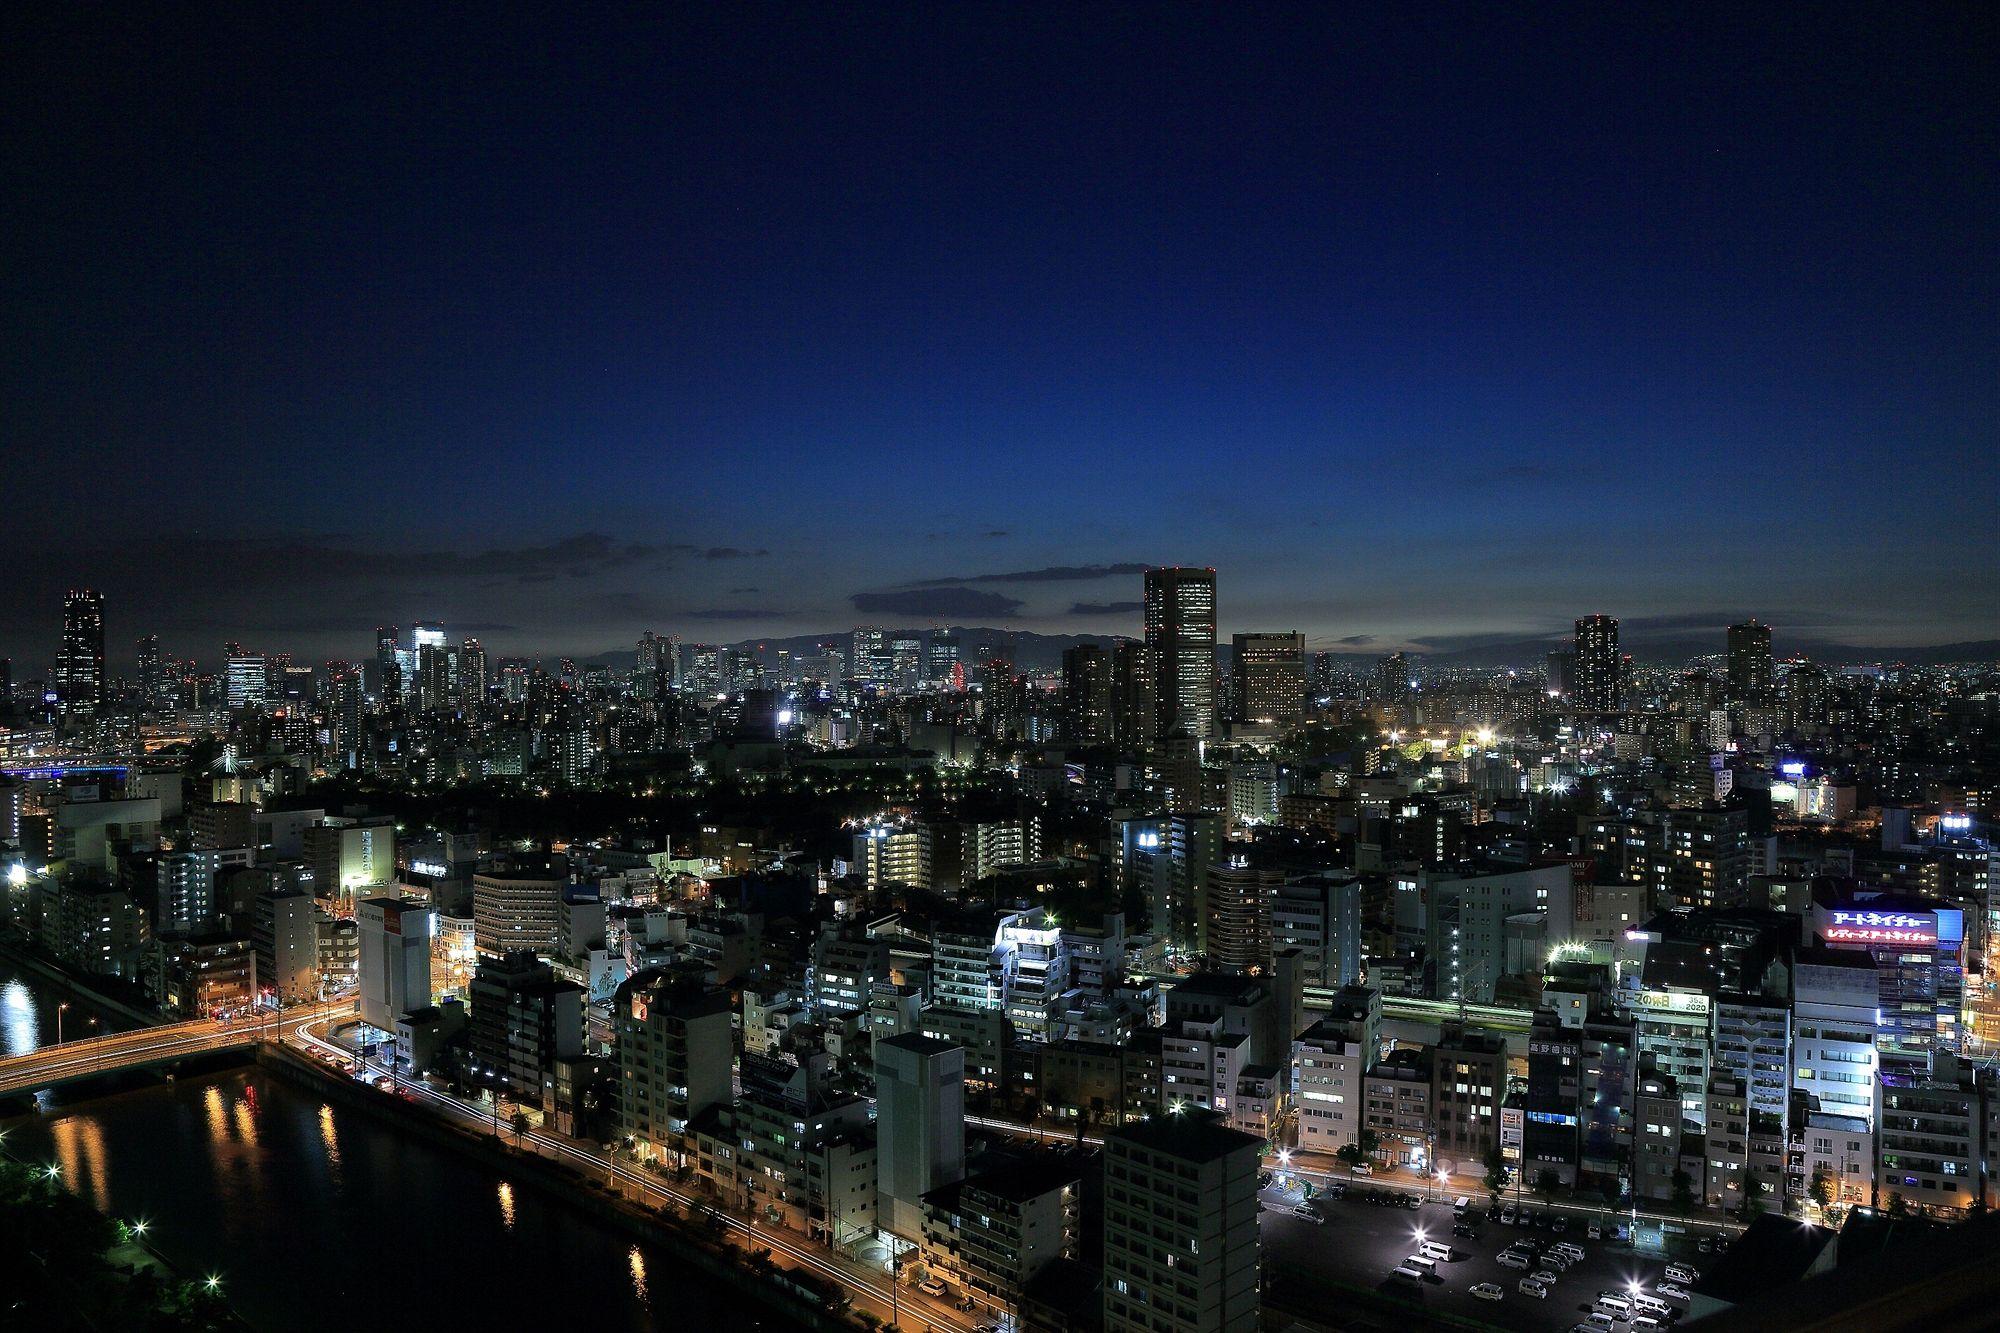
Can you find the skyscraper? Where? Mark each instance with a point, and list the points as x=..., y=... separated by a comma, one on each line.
x=1180, y=632
x=1596, y=684
x=943, y=659
x=1087, y=694
x=152, y=672
x=1135, y=713
x=1750, y=662
x=472, y=671
x=247, y=680
x=1270, y=671
x=79, y=674
x=388, y=670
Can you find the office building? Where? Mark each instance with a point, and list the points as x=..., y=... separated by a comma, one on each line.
x=1235, y=931
x=1087, y=695
x=395, y=958
x=1750, y=675
x=919, y=1126
x=518, y=909
x=1180, y=636
x=1598, y=684
x=1320, y=916
x=79, y=665
x=1269, y=677
x=1181, y=1247
x=1834, y=1000
x=349, y=858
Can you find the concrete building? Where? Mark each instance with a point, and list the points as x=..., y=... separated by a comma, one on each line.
x=395, y=958
x=286, y=940
x=523, y=1019
x=1834, y=1056
x=1181, y=1246
x=1320, y=915
x=1468, y=1085
x=919, y=1126
x=675, y=1058
x=1330, y=1062
x=993, y=1233
x=517, y=909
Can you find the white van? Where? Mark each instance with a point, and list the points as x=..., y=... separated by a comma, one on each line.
x=1649, y=1304
x=1431, y=1249
x=1617, y=1305
x=1574, y=1251
x=1405, y=1273
x=1461, y=1205
x=1423, y=1263
x=1682, y=1275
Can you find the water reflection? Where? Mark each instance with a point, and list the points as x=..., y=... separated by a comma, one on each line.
x=506, y=1205
x=637, y=1262
x=330, y=1138
x=79, y=1148
x=20, y=1025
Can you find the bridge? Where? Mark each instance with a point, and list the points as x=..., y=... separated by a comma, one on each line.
x=144, y=1048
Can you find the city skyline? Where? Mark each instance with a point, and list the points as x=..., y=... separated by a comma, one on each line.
x=782, y=325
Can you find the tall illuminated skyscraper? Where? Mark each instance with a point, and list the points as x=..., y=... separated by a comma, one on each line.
x=1750, y=662
x=1180, y=632
x=1597, y=684
x=1270, y=673
x=79, y=673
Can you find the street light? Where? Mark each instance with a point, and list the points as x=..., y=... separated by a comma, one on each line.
x=59, y=1013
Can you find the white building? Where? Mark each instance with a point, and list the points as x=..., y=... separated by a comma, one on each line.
x=919, y=1126
x=395, y=959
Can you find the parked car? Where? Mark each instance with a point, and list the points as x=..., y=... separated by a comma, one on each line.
x=933, y=1286
x=1527, y=1286
x=1673, y=1292
x=1682, y=1274
x=1546, y=1277
x=1405, y=1273
x=1508, y=1259
x=1363, y=1169
x=1488, y=1291
x=1305, y=1213
x=1558, y=1223
x=1594, y=1231
x=1466, y=1229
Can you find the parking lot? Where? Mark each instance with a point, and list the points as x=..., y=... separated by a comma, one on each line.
x=1360, y=1244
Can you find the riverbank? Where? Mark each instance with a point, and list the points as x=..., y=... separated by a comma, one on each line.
x=695, y=1237
x=26, y=958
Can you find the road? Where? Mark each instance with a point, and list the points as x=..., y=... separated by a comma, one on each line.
x=869, y=1289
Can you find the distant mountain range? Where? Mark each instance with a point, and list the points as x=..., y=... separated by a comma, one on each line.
x=1043, y=652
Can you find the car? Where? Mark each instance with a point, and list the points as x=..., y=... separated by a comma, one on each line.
x=1594, y=1231
x=1547, y=1277
x=932, y=1286
x=1362, y=1169
x=1682, y=1274
x=1487, y=1291
x=1412, y=1202
x=1558, y=1223
x=1433, y=1249
x=1599, y=1321
x=1706, y=1246
x=1619, y=1307
x=1527, y=1286
x=1570, y=1248
x=1405, y=1273
x=1508, y=1259
x=1555, y=1263
x=1646, y=1322
x=1423, y=1263
x=1334, y=1190
x=1673, y=1292
x=1305, y=1213
x=1465, y=1229
x=1508, y=1216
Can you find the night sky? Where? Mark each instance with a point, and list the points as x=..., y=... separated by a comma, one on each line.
x=1420, y=323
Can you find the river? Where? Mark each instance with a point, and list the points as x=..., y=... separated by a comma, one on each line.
x=318, y=1218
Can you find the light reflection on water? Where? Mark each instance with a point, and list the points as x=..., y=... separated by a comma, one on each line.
x=637, y=1262
x=20, y=1025
x=506, y=1205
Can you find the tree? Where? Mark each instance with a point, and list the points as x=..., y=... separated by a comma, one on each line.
x=1898, y=1205
x=520, y=1122
x=1683, y=1197
x=1821, y=1188
x=1547, y=1184
x=1351, y=1154
x=1496, y=1172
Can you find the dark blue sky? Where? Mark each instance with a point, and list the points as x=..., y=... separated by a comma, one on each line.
x=1419, y=323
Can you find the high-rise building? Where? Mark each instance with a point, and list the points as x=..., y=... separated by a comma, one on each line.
x=246, y=681
x=395, y=963
x=1270, y=678
x=1087, y=695
x=919, y=1126
x=1330, y=1062
x=1597, y=684
x=152, y=672
x=942, y=660
x=1180, y=632
x=1181, y=1246
x=871, y=659
x=1392, y=678
x=1135, y=711
x=472, y=671
x=523, y=1020
x=1750, y=673
x=79, y=673
x=388, y=667
x=517, y=909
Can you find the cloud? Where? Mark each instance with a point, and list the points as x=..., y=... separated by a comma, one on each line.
x=727, y=553
x=1106, y=608
x=996, y=532
x=1356, y=640
x=936, y=602
x=732, y=613
x=1047, y=574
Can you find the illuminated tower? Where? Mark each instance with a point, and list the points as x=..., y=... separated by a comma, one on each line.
x=1180, y=631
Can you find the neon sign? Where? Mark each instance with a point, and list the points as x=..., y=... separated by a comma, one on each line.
x=1881, y=928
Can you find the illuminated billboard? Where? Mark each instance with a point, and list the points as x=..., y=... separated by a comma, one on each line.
x=1865, y=926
